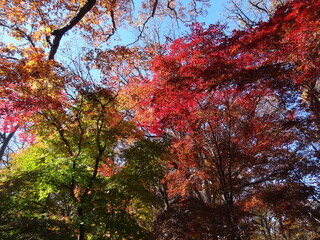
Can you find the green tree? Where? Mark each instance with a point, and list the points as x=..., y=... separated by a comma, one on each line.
x=87, y=175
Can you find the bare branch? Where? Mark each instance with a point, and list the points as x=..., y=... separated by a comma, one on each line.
x=22, y=33
x=241, y=15
x=154, y=8
x=256, y=5
x=141, y=29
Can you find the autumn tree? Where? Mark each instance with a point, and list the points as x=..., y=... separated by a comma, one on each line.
x=234, y=107
x=77, y=127
x=240, y=112
x=86, y=175
x=28, y=85
x=34, y=31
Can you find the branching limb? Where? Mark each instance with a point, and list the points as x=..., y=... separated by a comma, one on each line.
x=257, y=6
x=58, y=33
x=21, y=32
x=6, y=140
x=141, y=29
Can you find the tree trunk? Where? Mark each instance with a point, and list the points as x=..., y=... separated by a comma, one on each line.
x=5, y=143
x=234, y=233
x=82, y=231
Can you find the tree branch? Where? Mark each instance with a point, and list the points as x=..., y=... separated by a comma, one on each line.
x=141, y=29
x=5, y=143
x=58, y=33
x=256, y=5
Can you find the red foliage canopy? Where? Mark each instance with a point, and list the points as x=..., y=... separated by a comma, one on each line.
x=222, y=101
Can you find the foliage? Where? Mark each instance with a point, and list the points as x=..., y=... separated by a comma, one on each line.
x=233, y=108
x=210, y=136
x=61, y=182
x=32, y=35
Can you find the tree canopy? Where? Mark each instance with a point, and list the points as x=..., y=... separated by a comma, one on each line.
x=212, y=135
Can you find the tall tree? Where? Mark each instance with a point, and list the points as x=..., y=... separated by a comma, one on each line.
x=231, y=106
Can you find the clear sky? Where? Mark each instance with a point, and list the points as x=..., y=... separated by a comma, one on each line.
x=215, y=12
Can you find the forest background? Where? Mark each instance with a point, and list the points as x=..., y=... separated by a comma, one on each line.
x=179, y=130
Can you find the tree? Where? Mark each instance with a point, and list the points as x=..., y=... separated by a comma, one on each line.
x=77, y=180
x=5, y=139
x=28, y=86
x=222, y=99
x=33, y=32
x=240, y=113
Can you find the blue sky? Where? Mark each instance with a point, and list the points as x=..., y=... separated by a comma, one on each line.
x=216, y=13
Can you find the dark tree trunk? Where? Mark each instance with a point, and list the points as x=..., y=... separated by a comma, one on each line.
x=82, y=231
x=5, y=143
x=234, y=233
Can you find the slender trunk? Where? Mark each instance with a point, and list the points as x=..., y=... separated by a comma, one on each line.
x=82, y=231
x=234, y=233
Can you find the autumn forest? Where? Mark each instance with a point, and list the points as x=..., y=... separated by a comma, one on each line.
x=115, y=127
